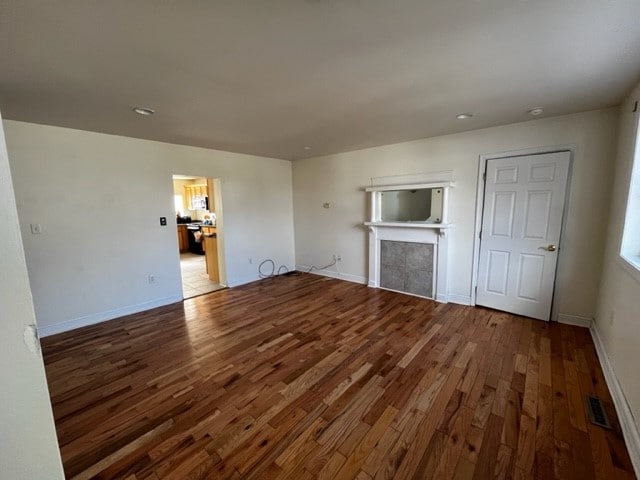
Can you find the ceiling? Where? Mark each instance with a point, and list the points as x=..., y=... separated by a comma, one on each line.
x=273, y=77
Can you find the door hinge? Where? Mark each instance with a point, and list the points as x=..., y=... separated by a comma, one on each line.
x=635, y=107
x=484, y=176
x=476, y=290
x=480, y=234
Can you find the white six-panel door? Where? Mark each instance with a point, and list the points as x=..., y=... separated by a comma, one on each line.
x=522, y=217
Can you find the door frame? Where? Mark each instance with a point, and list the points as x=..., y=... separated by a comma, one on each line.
x=482, y=168
x=222, y=258
x=217, y=196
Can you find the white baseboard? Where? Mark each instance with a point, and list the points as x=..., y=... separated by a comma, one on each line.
x=302, y=268
x=442, y=298
x=235, y=282
x=459, y=299
x=408, y=293
x=628, y=423
x=575, y=320
x=99, y=317
x=330, y=273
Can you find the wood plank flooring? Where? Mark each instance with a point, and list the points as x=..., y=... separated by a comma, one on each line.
x=305, y=377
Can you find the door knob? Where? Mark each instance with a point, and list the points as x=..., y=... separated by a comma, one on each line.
x=551, y=248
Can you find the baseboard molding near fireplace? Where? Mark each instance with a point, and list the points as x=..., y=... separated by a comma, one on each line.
x=459, y=299
x=333, y=274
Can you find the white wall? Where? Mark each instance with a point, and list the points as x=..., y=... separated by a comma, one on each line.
x=28, y=444
x=339, y=179
x=618, y=318
x=99, y=198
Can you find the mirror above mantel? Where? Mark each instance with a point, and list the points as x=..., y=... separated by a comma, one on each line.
x=422, y=205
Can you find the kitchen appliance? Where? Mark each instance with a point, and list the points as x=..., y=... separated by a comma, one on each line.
x=195, y=238
x=200, y=202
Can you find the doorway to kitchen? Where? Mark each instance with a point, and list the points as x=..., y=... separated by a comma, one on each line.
x=198, y=207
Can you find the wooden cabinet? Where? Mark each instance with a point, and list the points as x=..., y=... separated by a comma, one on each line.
x=195, y=195
x=206, y=230
x=196, y=190
x=211, y=193
x=183, y=238
x=211, y=252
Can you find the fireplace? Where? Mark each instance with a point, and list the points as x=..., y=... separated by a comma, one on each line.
x=406, y=254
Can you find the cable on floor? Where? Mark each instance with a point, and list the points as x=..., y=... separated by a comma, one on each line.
x=313, y=267
x=273, y=272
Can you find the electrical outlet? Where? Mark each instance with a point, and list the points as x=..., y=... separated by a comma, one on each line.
x=339, y=257
x=151, y=279
x=250, y=261
x=36, y=229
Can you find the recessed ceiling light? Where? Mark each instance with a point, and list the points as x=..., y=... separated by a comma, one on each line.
x=307, y=148
x=462, y=116
x=536, y=111
x=144, y=111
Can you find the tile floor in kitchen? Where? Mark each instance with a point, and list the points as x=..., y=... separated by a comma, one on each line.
x=195, y=280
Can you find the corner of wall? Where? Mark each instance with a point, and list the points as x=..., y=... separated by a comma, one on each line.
x=576, y=320
x=625, y=415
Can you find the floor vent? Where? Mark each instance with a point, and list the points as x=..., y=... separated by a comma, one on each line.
x=597, y=415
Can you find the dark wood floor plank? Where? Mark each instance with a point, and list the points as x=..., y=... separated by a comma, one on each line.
x=305, y=377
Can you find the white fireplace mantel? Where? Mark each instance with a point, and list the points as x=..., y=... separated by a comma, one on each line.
x=429, y=232
x=441, y=227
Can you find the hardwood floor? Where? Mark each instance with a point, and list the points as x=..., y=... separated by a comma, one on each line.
x=306, y=377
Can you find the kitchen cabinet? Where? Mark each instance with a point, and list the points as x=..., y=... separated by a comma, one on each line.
x=183, y=238
x=207, y=230
x=210, y=241
x=196, y=189
x=211, y=193
x=196, y=195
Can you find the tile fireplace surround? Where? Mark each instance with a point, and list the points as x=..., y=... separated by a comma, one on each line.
x=409, y=258
x=407, y=267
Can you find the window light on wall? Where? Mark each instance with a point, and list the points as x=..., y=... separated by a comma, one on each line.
x=178, y=203
x=630, y=246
